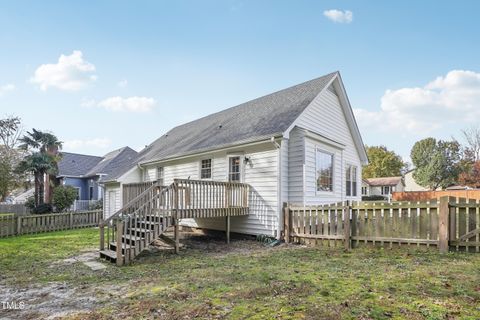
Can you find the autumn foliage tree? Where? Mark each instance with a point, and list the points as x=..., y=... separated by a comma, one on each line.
x=382, y=163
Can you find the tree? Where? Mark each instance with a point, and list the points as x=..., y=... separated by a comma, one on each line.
x=42, y=162
x=38, y=164
x=470, y=176
x=472, y=141
x=64, y=197
x=382, y=163
x=10, y=155
x=437, y=163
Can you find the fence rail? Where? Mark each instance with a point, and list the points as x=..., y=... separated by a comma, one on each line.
x=448, y=224
x=14, y=225
x=17, y=208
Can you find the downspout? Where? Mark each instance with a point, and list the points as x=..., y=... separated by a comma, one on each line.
x=279, y=186
x=342, y=179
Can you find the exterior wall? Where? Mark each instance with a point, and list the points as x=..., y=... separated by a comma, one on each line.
x=84, y=184
x=410, y=184
x=326, y=118
x=261, y=173
x=377, y=190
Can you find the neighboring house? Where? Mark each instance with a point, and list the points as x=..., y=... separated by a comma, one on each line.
x=85, y=172
x=410, y=184
x=299, y=145
x=22, y=197
x=382, y=186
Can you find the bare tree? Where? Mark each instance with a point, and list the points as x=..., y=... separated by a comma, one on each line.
x=472, y=139
x=10, y=155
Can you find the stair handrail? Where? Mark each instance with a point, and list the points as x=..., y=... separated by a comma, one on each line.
x=165, y=189
x=130, y=203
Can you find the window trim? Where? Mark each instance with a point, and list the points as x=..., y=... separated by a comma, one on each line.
x=200, y=168
x=241, y=157
x=320, y=192
x=163, y=174
x=349, y=165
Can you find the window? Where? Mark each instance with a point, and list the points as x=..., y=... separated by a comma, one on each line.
x=324, y=171
x=206, y=169
x=351, y=181
x=386, y=190
x=90, y=193
x=364, y=191
x=160, y=175
x=79, y=193
x=234, y=169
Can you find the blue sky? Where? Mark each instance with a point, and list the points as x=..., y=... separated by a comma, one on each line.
x=131, y=70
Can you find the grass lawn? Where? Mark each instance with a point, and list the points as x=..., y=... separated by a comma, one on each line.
x=247, y=280
x=5, y=214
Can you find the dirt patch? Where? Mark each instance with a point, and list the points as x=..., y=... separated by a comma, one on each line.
x=49, y=302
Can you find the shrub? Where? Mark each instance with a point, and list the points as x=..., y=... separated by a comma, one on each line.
x=98, y=205
x=43, y=208
x=64, y=197
x=374, y=198
x=30, y=203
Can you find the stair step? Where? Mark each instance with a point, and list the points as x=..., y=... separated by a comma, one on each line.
x=130, y=239
x=141, y=232
x=147, y=224
x=108, y=255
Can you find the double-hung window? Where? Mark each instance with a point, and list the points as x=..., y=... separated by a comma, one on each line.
x=324, y=171
x=160, y=175
x=351, y=181
x=234, y=169
x=206, y=169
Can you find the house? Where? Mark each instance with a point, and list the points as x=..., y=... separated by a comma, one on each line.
x=382, y=186
x=298, y=145
x=410, y=183
x=85, y=172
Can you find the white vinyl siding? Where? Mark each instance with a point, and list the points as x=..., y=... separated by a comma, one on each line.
x=261, y=173
x=325, y=117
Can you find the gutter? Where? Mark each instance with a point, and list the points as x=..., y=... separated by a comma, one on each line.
x=279, y=186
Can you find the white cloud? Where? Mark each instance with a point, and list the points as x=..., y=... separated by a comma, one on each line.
x=100, y=143
x=441, y=103
x=70, y=73
x=6, y=88
x=122, y=83
x=339, y=16
x=133, y=104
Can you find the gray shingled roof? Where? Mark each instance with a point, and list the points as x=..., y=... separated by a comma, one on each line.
x=384, y=181
x=76, y=165
x=110, y=166
x=255, y=120
x=115, y=163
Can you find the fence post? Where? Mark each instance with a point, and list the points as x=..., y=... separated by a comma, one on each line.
x=286, y=218
x=443, y=217
x=102, y=234
x=119, y=244
x=19, y=224
x=71, y=219
x=346, y=226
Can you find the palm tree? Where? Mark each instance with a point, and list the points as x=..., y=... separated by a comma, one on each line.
x=43, y=162
x=39, y=164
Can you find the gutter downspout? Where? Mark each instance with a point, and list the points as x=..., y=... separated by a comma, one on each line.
x=279, y=186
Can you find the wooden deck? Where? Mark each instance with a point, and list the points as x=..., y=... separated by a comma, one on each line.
x=151, y=208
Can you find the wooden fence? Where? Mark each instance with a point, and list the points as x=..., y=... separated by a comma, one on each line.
x=448, y=224
x=14, y=208
x=431, y=195
x=14, y=225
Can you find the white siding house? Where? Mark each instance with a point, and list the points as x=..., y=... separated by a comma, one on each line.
x=299, y=145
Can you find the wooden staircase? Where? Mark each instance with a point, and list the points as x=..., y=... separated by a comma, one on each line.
x=125, y=234
x=130, y=230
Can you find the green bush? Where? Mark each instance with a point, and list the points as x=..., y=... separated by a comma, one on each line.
x=374, y=198
x=64, y=197
x=43, y=208
x=98, y=205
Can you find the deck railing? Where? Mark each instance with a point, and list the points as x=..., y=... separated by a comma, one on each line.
x=166, y=205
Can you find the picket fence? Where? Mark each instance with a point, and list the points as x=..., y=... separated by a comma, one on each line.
x=448, y=224
x=14, y=225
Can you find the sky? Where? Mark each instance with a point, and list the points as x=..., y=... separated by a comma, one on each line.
x=102, y=75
